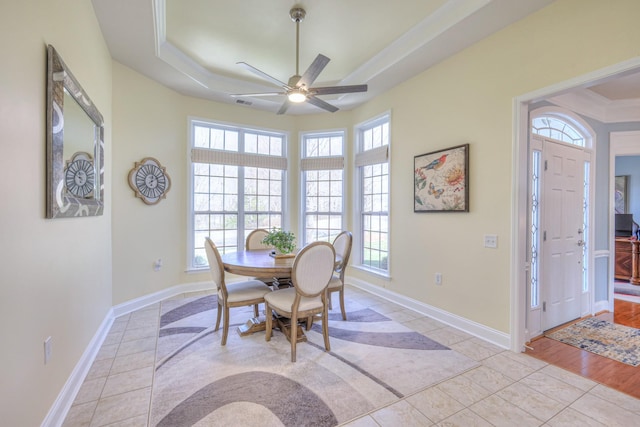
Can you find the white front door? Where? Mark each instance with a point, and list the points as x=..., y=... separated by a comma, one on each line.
x=562, y=235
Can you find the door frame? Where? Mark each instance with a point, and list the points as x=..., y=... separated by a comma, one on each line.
x=621, y=143
x=519, y=185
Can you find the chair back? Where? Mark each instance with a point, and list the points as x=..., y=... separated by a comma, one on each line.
x=215, y=265
x=342, y=245
x=254, y=240
x=312, y=268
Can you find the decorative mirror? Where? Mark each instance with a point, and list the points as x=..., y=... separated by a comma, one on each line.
x=75, y=145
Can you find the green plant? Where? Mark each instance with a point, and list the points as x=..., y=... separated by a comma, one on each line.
x=283, y=241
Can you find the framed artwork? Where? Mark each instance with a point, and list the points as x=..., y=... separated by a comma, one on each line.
x=441, y=180
x=621, y=193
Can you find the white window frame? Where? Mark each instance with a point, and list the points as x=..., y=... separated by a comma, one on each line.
x=320, y=163
x=365, y=157
x=240, y=159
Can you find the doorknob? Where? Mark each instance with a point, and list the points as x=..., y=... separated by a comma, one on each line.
x=580, y=242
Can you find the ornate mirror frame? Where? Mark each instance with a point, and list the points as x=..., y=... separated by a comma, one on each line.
x=75, y=145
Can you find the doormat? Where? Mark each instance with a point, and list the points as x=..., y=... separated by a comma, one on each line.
x=617, y=342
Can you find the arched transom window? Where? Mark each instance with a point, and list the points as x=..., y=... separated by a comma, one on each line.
x=557, y=128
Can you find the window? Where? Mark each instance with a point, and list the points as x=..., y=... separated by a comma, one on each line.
x=557, y=128
x=372, y=163
x=237, y=178
x=322, y=201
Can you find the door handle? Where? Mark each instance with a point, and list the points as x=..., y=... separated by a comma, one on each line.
x=580, y=242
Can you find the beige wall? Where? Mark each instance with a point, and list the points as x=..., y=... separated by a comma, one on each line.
x=152, y=121
x=466, y=99
x=55, y=275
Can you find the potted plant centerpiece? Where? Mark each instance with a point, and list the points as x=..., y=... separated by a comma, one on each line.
x=283, y=241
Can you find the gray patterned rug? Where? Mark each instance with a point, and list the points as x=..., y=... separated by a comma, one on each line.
x=617, y=342
x=374, y=361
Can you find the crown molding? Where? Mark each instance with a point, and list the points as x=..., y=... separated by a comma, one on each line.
x=590, y=104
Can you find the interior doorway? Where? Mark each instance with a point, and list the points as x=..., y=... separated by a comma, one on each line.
x=522, y=325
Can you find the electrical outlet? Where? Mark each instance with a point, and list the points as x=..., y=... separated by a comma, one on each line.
x=438, y=278
x=490, y=241
x=157, y=265
x=47, y=350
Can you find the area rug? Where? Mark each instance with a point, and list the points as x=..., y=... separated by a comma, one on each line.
x=374, y=361
x=618, y=342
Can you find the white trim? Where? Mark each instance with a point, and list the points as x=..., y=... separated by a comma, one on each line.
x=590, y=104
x=147, y=300
x=60, y=408
x=501, y=339
x=620, y=144
x=518, y=184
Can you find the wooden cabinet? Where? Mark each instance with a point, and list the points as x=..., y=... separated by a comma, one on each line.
x=627, y=260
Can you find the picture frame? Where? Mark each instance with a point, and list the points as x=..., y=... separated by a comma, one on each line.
x=620, y=199
x=441, y=180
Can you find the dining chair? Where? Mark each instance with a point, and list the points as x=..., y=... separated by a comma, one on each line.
x=310, y=274
x=237, y=294
x=342, y=245
x=254, y=240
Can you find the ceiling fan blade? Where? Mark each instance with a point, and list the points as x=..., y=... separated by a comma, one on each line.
x=263, y=75
x=313, y=71
x=238, y=95
x=330, y=90
x=322, y=104
x=285, y=106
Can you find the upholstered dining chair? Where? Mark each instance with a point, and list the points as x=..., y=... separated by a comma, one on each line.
x=311, y=272
x=342, y=245
x=238, y=294
x=254, y=240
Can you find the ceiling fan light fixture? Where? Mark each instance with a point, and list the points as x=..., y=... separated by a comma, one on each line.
x=297, y=96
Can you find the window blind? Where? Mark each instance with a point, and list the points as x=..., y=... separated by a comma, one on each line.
x=201, y=155
x=322, y=163
x=373, y=156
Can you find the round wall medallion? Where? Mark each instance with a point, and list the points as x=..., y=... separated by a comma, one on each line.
x=149, y=180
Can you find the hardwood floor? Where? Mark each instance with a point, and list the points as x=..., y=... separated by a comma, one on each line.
x=617, y=375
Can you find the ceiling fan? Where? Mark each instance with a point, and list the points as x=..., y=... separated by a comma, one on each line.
x=298, y=89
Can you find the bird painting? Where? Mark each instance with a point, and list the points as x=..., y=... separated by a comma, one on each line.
x=436, y=164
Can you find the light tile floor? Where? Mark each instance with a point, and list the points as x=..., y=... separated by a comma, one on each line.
x=507, y=389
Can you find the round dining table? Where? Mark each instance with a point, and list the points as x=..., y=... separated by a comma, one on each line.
x=263, y=263
x=258, y=263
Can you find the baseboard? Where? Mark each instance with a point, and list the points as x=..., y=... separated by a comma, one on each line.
x=493, y=336
x=146, y=300
x=67, y=395
x=60, y=408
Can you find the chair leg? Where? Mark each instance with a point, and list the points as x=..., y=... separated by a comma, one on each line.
x=294, y=337
x=256, y=311
x=309, y=322
x=218, y=315
x=225, y=325
x=344, y=313
x=269, y=322
x=329, y=298
x=325, y=327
